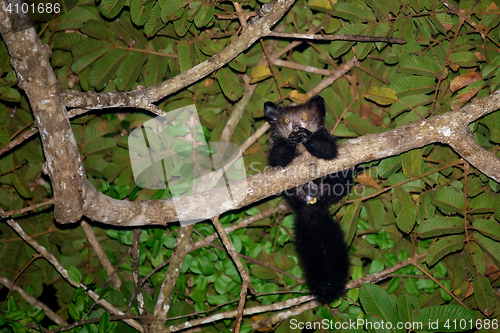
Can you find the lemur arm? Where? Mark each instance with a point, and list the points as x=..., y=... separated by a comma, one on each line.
x=322, y=145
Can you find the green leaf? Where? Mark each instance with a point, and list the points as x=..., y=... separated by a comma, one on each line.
x=75, y=18
x=111, y=8
x=393, y=285
x=185, y=56
x=129, y=70
x=381, y=10
x=155, y=69
x=229, y=84
x=483, y=293
x=12, y=304
x=87, y=52
x=438, y=226
x=98, y=30
x=99, y=145
x=239, y=63
x=199, y=296
x=443, y=247
x=66, y=41
x=482, y=204
x=17, y=314
x=154, y=22
x=204, y=15
x=20, y=184
x=411, y=162
x=405, y=210
x=206, y=266
x=436, y=318
x=172, y=10
x=389, y=166
x=339, y=47
x=10, y=95
x=376, y=212
x=382, y=30
x=376, y=266
x=105, y=68
x=104, y=323
x=350, y=221
x=37, y=316
x=463, y=59
x=419, y=65
x=377, y=302
x=407, y=103
x=381, y=95
x=413, y=85
x=449, y=200
x=4, y=137
x=182, y=25
x=73, y=311
x=489, y=246
x=488, y=228
x=352, y=12
x=263, y=273
x=139, y=12
x=74, y=274
x=497, y=209
x=407, y=305
x=217, y=299
x=211, y=48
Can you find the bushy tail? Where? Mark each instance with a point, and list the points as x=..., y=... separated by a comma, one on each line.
x=322, y=252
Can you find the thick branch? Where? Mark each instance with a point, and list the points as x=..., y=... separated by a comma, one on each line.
x=31, y=60
x=153, y=94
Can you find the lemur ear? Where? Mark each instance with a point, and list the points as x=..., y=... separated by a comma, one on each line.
x=318, y=104
x=271, y=112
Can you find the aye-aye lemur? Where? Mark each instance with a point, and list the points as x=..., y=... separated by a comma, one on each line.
x=319, y=239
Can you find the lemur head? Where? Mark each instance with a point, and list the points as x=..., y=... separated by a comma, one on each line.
x=287, y=119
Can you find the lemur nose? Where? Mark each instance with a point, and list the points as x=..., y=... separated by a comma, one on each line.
x=296, y=128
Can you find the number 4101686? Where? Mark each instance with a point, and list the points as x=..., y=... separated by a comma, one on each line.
x=32, y=8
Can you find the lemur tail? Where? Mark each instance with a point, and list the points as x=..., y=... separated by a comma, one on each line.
x=322, y=252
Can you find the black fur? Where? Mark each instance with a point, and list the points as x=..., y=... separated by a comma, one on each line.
x=319, y=239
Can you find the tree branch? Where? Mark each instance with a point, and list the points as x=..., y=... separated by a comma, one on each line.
x=182, y=247
x=33, y=301
x=103, y=258
x=353, y=38
x=30, y=58
x=64, y=273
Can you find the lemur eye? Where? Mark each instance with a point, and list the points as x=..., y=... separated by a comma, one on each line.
x=304, y=117
x=287, y=120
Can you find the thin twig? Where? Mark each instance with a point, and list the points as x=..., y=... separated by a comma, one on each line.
x=440, y=285
x=64, y=273
x=27, y=209
x=103, y=258
x=21, y=138
x=33, y=301
x=182, y=247
x=232, y=252
x=354, y=38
